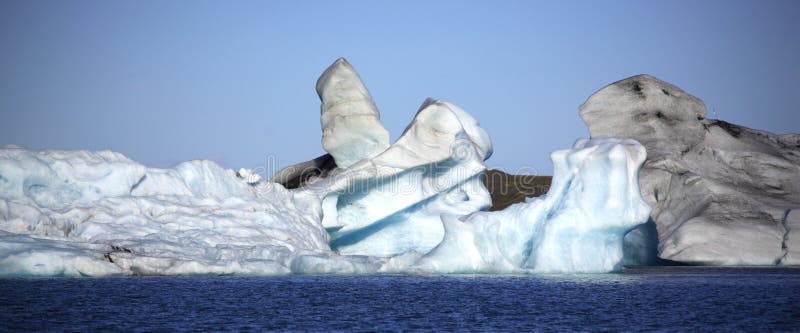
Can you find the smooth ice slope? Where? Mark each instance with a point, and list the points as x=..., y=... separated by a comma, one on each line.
x=578, y=226
x=721, y=193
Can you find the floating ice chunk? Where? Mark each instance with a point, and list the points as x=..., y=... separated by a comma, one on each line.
x=577, y=227
x=351, y=126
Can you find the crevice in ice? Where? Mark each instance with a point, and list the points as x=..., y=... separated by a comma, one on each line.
x=115, y=249
x=358, y=235
x=732, y=129
x=138, y=182
x=784, y=248
x=331, y=230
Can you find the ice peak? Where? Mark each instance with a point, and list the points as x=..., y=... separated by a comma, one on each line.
x=351, y=126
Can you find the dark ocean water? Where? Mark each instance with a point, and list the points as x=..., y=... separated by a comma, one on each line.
x=662, y=299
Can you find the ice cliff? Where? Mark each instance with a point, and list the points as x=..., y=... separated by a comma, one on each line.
x=415, y=206
x=721, y=193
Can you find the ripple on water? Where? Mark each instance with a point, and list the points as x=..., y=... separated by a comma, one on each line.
x=665, y=298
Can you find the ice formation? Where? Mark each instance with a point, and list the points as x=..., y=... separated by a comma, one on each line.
x=721, y=193
x=578, y=226
x=392, y=203
x=351, y=126
x=382, y=200
x=98, y=213
x=79, y=213
x=416, y=206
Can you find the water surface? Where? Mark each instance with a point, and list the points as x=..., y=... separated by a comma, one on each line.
x=664, y=298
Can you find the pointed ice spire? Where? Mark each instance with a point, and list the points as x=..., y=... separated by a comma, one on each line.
x=351, y=126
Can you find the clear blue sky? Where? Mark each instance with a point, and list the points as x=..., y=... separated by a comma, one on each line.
x=233, y=81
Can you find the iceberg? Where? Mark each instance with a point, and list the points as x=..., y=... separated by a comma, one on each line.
x=722, y=194
x=79, y=213
x=418, y=205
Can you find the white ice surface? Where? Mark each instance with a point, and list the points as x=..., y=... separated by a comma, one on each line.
x=99, y=213
x=720, y=192
x=578, y=226
x=351, y=126
x=79, y=213
x=392, y=203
